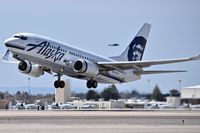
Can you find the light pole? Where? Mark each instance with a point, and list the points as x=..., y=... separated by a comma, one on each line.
x=29, y=91
x=149, y=84
x=179, y=85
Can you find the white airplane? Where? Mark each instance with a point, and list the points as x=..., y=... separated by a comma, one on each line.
x=19, y=106
x=67, y=106
x=37, y=54
x=32, y=106
x=89, y=106
x=26, y=106
x=62, y=106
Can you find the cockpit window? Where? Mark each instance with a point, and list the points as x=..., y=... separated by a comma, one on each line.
x=20, y=37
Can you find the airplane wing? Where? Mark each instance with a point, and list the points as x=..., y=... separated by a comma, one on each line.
x=138, y=65
x=11, y=62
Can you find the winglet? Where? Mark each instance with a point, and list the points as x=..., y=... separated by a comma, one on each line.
x=195, y=58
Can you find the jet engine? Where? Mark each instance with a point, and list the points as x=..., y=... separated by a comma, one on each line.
x=85, y=68
x=32, y=70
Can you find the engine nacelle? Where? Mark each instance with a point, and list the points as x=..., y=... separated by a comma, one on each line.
x=27, y=68
x=85, y=68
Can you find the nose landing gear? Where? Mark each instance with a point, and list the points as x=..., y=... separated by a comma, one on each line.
x=59, y=83
x=92, y=84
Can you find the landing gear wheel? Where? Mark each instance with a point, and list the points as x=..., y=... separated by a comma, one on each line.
x=59, y=84
x=62, y=84
x=89, y=84
x=92, y=84
x=95, y=84
x=56, y=84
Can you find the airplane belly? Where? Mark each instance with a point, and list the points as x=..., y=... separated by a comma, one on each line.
x=126, y=76
x=131, y=76
x=106, y=80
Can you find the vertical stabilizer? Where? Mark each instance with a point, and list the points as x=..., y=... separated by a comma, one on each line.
x=135, y=50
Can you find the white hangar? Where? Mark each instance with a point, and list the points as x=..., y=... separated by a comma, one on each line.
x=190, y=94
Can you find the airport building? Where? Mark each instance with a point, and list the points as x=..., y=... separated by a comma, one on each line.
x=174, y=99
x=99, y=104
x=3, y=104
x=190, y=95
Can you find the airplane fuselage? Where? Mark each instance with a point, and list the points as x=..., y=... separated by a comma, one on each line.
x=38, y=54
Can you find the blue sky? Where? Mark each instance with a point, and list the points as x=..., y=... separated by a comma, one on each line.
x=92, y=25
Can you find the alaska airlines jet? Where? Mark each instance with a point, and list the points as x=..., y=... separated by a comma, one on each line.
x=37, y=54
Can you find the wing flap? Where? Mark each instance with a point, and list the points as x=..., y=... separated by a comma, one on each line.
x=158, y=71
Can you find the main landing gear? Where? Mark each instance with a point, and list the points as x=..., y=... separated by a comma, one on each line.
x=59, y=83
x=92, y=84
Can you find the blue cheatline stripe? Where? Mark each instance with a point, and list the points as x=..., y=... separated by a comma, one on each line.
x=14, y=46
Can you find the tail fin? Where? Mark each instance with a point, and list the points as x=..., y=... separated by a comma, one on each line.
x=135, y=50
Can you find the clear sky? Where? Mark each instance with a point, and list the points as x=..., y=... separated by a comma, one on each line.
x=92, y=25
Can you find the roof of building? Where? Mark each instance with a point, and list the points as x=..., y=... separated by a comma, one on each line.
x=192, y=87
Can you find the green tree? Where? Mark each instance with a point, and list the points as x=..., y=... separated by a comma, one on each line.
x=18, y=95
x=1, y=95
x=157, y=95
x=92, y=95
x=135, y=93
x=110, y=92
x=125, y=95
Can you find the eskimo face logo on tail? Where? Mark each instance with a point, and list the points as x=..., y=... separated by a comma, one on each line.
x=47, y=51
x=136, y=49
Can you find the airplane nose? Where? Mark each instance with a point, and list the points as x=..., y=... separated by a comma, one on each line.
x=8, y=41
x=13, y=43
